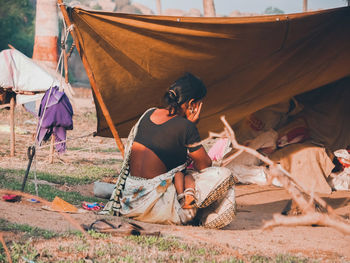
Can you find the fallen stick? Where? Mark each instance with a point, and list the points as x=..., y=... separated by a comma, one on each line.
x=314, y=218
x=7, y=252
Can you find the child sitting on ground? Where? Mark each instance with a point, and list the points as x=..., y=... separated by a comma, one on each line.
x=184, y=181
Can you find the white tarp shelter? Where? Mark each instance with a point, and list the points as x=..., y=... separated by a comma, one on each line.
x=23, y=75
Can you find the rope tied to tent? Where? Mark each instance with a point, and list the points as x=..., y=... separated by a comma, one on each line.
x=71, y=27
x=70, y=51
x=70, y=139
x=34, y=147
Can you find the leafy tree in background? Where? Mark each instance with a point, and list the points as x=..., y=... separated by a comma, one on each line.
x=17, y=25
x=273, y=11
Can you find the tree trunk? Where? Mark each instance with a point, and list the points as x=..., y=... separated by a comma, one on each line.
x=209, y=8
x=46, y=33
x=304, y=5
x=159, y=7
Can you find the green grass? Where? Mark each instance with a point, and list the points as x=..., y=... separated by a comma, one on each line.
x=98, y=235
x=134, y=249
x=104, y=150
x=291, y=259
x=75, y=148
x=180, y=250
x=109, y=150
x=24, y=248
x=85, y=175
x=28, y=230
x=19, y=252
x=160, y=243
x=46, y=191
x=281, y=258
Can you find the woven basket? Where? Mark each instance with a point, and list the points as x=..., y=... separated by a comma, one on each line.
x=223, y=219
x=218, y=192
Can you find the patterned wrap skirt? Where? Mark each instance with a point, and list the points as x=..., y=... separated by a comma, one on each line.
x=155, y=200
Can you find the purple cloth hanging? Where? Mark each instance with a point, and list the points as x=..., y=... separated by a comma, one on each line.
x=57, y=118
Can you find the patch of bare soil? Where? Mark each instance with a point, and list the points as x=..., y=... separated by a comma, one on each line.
x=83, y=189
x=255, y=204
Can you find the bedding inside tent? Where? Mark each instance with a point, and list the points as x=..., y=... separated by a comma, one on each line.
x=321, y=116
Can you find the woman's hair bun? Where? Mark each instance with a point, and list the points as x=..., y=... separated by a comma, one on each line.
x=184, y=89
x=172, y=95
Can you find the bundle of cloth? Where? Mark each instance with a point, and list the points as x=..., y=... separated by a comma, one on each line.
x=305, y=135
x=340, y=178
x=266, y=131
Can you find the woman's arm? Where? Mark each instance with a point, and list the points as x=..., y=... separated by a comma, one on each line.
x=200, y=159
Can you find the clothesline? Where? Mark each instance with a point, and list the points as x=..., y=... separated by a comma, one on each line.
x=66, y=140
x=92, y=147
x=60, y=62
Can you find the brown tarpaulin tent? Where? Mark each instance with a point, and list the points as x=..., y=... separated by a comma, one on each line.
x=246, y=63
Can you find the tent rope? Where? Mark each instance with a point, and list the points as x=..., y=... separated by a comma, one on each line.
x=70, y=139
x=70, y=51
x=60, y=62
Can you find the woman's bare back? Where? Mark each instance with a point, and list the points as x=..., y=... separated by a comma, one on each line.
x=143, y=161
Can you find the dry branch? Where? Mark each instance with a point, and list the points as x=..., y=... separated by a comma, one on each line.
x=227, y=160
x=308, y=219
x=306, y=201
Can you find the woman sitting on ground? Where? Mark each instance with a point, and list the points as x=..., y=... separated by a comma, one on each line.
x=154, y=185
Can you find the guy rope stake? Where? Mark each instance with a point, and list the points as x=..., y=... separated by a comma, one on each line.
x=30, y=154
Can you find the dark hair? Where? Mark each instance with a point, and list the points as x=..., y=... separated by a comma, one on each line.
x=182, y=90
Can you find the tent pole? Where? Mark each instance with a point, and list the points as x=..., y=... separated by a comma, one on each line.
x=52, y=149
x=12, y=126
x=92, y=81
x=65, y=58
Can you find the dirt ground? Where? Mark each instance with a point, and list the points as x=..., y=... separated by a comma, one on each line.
x=255, y=205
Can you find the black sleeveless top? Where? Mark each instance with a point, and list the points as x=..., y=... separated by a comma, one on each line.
x=169, y=140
